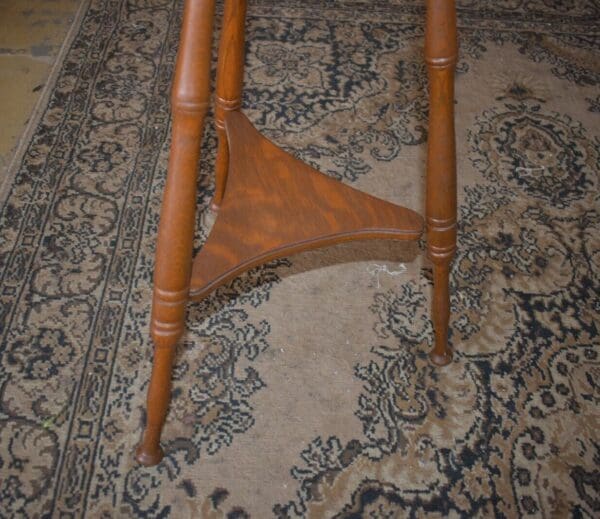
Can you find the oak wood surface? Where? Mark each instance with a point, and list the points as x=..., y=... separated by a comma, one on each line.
x=230, y=77
x=269, y=203
x=275, y=205
x=189, y=103
x=441, y=49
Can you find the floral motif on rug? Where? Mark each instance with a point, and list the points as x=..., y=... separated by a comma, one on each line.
x=303, y=389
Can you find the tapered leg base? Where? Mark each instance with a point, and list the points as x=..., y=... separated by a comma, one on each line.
x=149, y=457
x=441, y=360
x=149, y=451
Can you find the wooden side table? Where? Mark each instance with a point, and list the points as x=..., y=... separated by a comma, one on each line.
x=271, y=205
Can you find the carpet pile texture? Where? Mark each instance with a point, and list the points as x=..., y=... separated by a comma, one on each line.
x=303, y=389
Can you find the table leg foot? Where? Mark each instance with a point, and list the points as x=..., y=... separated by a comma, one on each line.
x=149, y=455
x=441, y=360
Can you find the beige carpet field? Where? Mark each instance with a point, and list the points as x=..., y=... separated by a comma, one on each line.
x=303, y=389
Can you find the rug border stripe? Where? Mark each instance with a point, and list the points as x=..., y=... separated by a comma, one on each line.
x=41, y=104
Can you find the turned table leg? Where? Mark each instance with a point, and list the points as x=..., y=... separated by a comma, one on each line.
x=230, y=77
x=190, y=99
x=441, y=54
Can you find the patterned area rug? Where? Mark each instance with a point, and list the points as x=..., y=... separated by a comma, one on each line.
x=303, y=389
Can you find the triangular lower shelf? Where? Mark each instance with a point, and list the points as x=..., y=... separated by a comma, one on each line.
x=275, y=205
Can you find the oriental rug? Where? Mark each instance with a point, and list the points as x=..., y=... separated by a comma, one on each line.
x=303, y=389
